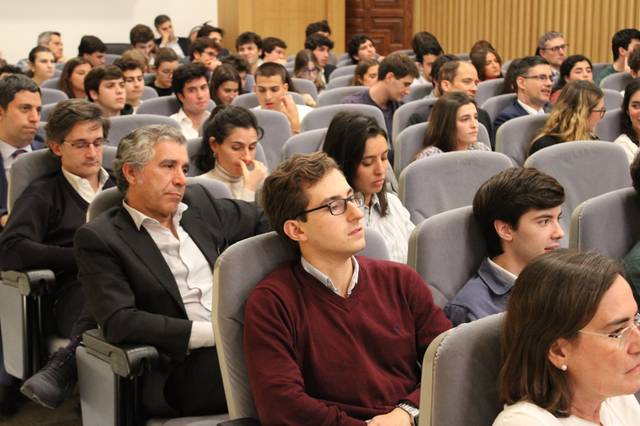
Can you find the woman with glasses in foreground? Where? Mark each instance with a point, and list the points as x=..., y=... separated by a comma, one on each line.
x=575, y=115
x=570, y=344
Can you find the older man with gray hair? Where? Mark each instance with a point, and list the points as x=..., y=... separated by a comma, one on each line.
x=53, y=40
x=146, y=267
x=553, y=48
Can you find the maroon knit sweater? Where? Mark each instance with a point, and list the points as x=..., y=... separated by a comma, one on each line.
x=315, y=358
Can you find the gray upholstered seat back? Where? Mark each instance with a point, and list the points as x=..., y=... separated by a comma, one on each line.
x=343, y=70
x=335, y=96
x=304, y=143
x=514, y=137
x=149, y=93
x=446, y=250
x=609, y=128
x=585, y=169
x=233, y=280
x=402, y=115
x=122, y=125
x=250, y=100
x=321, y=117
x=52, y=83
x=277, y=130
x=305, y=86
x=164, y=105
x=488, y=89
x=607, y=223
x=418, y=92
x=612, y=99
x=340, y=81
x=460, y=375
x=51, y=96
x=617, y=81
x=495, y=104
x=447, y=181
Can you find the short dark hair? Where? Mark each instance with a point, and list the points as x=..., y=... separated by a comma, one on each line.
x=448, y=72
x=90, y=44
x=314, y=27
x=184, y=74
x=508, y=195
x=12, y=84
x=625, y=121
x=127, y=64
x=97, y=75
x=207, y=29
x=65, y=76
x=221, y=75
x=283, y=193
x=10, y=69
x=222, y=121
x=237, y=62
x=520, y=68
x=34, y=52
x=160, y=19
x=346, y=141
x=438, y=63
x=140, y=34
x=270, y=43
x=399, y=64
x=554, y=297
x=248, y=37
x=164, y=54
x=425, y=43
x=635, y=172
x=270, y=69
x=622, y=39
x=68, y=113
x=634, y=59
x=201, y=43
x=316, y=40
x=354, y=44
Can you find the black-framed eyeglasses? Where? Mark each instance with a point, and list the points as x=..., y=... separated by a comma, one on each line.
x=556, y=49
x=339, y=206
x=600, y=111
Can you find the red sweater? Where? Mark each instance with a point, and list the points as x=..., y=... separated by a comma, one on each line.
x=315, y=358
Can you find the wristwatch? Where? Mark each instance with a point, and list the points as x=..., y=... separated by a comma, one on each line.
x=411, y=410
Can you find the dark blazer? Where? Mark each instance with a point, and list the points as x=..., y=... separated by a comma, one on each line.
x=3, y=179
x=328, y=69
x=511, y=111
x=183, y=42
x=128, y=286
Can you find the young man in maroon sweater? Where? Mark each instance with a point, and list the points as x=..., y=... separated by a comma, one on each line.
x=331, y=338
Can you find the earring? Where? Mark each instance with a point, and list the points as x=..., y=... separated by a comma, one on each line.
x=563, y=367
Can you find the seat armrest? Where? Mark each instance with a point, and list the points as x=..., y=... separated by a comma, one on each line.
x=126, y=360
x=245, y=421
x=35, y=283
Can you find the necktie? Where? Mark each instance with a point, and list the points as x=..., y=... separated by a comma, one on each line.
x=17, y=153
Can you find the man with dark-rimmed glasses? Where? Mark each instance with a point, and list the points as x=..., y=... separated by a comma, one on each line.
x=333, y=338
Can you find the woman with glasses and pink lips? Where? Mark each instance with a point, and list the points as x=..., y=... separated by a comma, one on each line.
x=570, y=344
x=574, y=117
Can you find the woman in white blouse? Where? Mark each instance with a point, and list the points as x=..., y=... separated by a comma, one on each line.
x=570, y=344
x=359, y=146
x=228, y=151
x=630, y=120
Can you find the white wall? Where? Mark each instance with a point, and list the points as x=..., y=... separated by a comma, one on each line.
x=22, y=20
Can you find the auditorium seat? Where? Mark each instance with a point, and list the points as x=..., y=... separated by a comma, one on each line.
x=402, y=115
x=514, y=137
x=609, y=128
x=488, y=89
x=335, y=96
x=321, y=117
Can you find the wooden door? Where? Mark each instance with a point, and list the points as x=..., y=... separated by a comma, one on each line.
x=388, y=23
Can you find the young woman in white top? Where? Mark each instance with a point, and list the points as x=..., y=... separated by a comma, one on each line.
x=359, y=146
x=630, y=120
x=570, y=344
x=453, y=126
x=228, y=151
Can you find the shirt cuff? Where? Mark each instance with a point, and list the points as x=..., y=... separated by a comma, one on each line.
x=201, y=335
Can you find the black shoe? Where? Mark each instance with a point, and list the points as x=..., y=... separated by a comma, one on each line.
x=9, y=396
x=49, y=386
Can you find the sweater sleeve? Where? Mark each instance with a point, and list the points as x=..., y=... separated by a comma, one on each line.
x=274, y=373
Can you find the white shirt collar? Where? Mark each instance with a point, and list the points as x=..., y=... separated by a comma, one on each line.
x=529, y=109
x=324, y=279
x=501, y=269
x=140, y=219
x=82, y=185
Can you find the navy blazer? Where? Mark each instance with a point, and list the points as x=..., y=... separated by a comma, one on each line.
x=4, y=187
x=512, y=111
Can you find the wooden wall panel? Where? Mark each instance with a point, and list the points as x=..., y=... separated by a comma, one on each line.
x=513, y=26
x=386, y=22
x=285, y=20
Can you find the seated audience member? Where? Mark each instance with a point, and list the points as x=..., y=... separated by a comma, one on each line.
x=487, y=62
x=321, y=47
x=53, y=40
x=366, y=73
x=249, y=47
x=435, y=72
x=228, y=151
x=532, y=79
x=553, y=48
x=570, y=344
x=141, y=38
x=240, y=65
x=359, y=146
x=41, y=64
x=136, y=55
x=518, y=211
x=575, y=67
x=104, y=86
x=633, y=61
x=7, y=70
x=360, y=47
x=192, y=90
x=395, y=75
x=427, y=49
x=205, y=50
x=574, y=117
x=274, y=50
x=225, y=85
x=40, y=231
x=306, y=363
x=168, y=39
x=306, y=66
x=453, y=126
x=152, y=256
x=216, y=34
x=72, y=78
x=630, y=120
x=271, y=89
x=319, y=27
x=510, y=85
x=622, y=44
x=164, y=64
x=632, y=259
x=92, y=50
x=133, y=82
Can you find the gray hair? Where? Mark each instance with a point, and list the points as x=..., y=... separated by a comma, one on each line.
x=137, y=149
x=548, y=36
x=45, y=37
